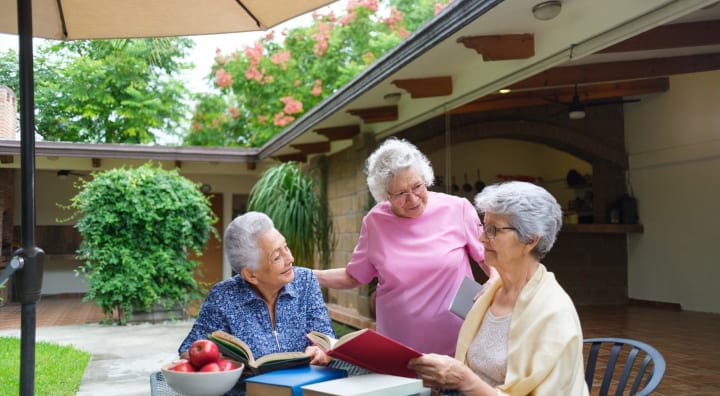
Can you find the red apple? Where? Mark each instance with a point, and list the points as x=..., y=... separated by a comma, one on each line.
x=182, y=365
x=226, y=365
x=210, y=368
x=202, y=352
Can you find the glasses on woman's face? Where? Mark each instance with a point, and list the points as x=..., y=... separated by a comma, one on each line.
x=401, y=197
x=491, y=230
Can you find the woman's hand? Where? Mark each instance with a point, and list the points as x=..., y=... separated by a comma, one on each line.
x=317, y=356
x=445, y=372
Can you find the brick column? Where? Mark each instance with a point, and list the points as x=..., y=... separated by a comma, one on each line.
x=8, y=114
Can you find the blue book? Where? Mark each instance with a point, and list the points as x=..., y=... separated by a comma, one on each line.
x=289, y=382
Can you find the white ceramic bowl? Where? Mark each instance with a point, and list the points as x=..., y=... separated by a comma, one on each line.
x=202, y=384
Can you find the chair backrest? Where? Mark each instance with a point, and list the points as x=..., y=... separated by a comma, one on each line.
x=625, y=365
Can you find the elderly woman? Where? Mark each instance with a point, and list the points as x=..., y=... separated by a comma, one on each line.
x=523, y=335
x=270, y=304
x=416, y=242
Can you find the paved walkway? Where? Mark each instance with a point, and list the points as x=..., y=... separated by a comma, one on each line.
x=123, y=357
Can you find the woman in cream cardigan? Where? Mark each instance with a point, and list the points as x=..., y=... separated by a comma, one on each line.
x=523, y=335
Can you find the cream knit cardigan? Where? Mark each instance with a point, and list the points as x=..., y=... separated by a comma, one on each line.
x=545, y=344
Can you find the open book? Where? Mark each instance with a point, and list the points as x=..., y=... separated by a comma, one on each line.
x=236, y=349
x=370, y=350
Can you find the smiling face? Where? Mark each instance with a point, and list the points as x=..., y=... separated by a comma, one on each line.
x=407, y=194
x=505, y=247
x=276, y=263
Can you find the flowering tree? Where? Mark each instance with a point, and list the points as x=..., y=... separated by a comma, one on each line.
x=266, y=86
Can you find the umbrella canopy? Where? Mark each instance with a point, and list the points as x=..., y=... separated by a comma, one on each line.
x=105, y=19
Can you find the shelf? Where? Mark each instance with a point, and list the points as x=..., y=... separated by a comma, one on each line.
x=603, y=228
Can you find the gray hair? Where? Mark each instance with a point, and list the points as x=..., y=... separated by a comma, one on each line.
x=240, y=243
x=532, y=210
x=392, y=156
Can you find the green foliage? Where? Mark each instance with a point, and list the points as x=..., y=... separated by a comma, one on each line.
x=293, y=201
x=138, y=226
x=106, y=91
x=58, y=368
x=265, y=87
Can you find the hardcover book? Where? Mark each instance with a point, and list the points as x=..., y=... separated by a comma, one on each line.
x=236, y=349
x=370, y=350
x=464, y=297
x=289, y=382
x=366, y=385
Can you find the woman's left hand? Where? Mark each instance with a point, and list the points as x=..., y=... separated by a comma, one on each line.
x=317, y=356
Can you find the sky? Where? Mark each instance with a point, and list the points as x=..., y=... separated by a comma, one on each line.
x=204, y=52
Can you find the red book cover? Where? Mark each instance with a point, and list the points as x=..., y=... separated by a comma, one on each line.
x=370, y=350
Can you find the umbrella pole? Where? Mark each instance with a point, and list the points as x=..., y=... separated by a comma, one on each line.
x=29, y=278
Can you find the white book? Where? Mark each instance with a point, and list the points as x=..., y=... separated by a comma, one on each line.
x=464, y=297
x=367, y=385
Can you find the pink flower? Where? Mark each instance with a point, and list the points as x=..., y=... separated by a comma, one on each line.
x=394, y=21
x=252, y=73
x=281, y=58
x=281, y=119
x=317, y=88
x=321, y=38
x=292, y=106
x=196, y=126
x=371, y=5
x=262, y=119
x=270, y=35
x=296, y=83
x=223, y=79
x=255, y=53
x=234, y=112
x=440, y=7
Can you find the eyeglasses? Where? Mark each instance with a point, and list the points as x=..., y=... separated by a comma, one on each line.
x=416, y=190
x=491, y=230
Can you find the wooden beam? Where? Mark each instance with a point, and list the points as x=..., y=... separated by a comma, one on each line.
x=312, y=148
x=339, y=133
x=376, y=114
x=298, y=157
x=691, y=34
x=501, y=46
x=541, y=97
x=426, y=87
x=624, y=70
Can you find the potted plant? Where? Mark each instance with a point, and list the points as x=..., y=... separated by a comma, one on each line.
x=297, y=204
x=138, y=227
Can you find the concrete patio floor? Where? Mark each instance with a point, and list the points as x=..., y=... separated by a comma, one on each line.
x=123, y=357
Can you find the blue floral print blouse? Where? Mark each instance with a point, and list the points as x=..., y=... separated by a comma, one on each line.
x=232, y=306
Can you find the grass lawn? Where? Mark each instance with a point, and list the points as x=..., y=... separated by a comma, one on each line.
x=341, y=329
x=58, y=368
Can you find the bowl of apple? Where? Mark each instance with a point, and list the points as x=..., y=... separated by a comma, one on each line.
x=203, y=373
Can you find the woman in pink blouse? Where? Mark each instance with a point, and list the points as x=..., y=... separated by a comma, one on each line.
x=417, y=243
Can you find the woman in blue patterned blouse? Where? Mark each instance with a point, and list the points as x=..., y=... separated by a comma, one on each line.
x=270, y=304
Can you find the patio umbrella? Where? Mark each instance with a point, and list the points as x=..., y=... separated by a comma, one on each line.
x=104, y=19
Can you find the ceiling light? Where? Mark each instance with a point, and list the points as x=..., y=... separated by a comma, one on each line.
x=392, y=98
x=578, y=114
x=547, y=10
x=505, y=90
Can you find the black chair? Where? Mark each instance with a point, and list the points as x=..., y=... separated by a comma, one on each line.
x=625, y=365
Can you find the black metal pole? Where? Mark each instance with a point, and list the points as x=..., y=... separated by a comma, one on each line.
x=29, y=278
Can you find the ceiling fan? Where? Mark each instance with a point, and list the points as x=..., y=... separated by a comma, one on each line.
x=576, y=107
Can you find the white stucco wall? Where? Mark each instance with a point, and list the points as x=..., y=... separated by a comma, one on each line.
x=673, y=144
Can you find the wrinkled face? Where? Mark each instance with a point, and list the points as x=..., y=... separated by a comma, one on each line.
x=276, y=261
x=407, y=194
x=504, y=247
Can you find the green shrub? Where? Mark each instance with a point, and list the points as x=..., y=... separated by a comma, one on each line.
x=138, y=227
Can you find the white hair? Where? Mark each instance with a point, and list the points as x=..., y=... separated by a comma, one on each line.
x=240, y=243
x=532, y=210
x=386, y=161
